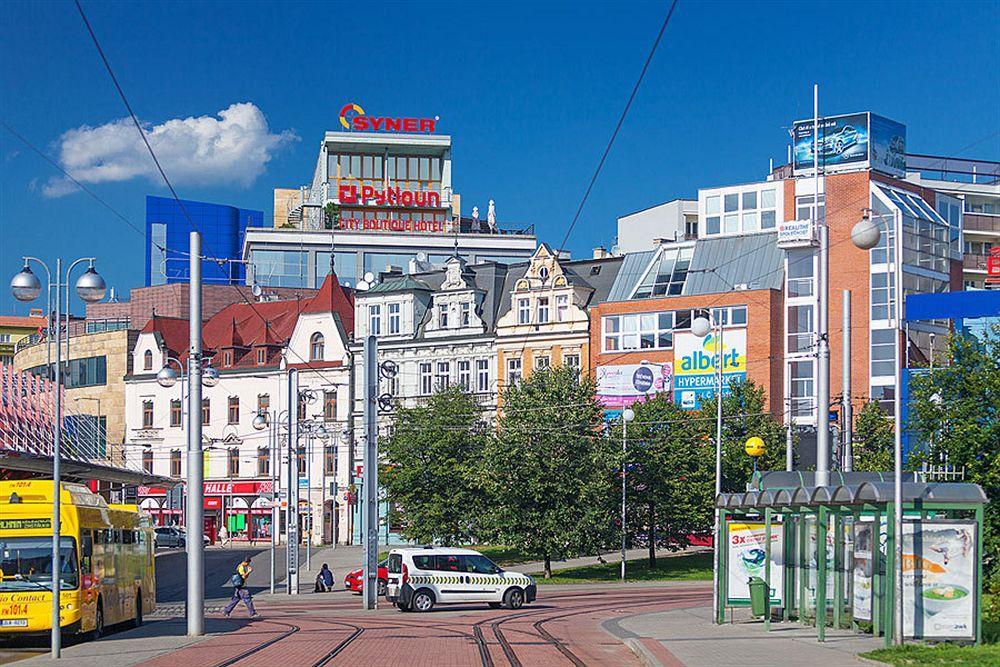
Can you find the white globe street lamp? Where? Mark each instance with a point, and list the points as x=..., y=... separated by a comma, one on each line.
x=167, y=377
x=91, y=286
x=25, y=285
x=259, y=422
x=701, y=327
x=209, y=376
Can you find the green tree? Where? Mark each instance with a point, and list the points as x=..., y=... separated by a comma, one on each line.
x=873, y=440
x=331, y=216
x=670, y=476
x=955, y=409
x=430, y=467
x=545, y=470
x=744, y=416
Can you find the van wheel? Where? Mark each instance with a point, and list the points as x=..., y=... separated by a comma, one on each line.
x=98, y=620
x=137, y=622
x=422, y=601
x=380, y=589
x=513, y=598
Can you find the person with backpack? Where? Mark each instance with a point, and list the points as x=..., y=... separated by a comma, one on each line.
x=240, y=591
x=324, y=580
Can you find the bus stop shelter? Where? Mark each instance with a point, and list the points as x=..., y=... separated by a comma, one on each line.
x=848, y=583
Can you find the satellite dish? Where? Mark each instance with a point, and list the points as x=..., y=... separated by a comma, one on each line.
x=369, y=277
x=257, y=291
x=362, y=286
x=421, y=256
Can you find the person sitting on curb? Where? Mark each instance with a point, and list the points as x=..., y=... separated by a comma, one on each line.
x=324, y=580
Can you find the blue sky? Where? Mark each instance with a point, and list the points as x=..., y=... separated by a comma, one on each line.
x=530, y=93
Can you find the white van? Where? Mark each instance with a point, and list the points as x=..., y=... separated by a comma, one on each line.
x=421, y=578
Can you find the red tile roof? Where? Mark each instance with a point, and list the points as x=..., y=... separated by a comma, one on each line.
x=21, y=321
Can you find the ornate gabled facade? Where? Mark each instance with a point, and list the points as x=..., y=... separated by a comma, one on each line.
x=545, y=317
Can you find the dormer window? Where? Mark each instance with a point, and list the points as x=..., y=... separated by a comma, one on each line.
x=261, y=356
x=147, y=360
x=466, y=311
x=227, y=358
x=443, y=316
x=316, y=344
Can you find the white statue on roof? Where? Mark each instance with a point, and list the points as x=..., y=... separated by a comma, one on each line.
x=491, y=217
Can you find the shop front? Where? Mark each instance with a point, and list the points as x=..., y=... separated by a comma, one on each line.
x=236, y=510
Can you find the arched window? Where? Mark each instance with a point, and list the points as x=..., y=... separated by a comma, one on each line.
x=147, y=360
x=316, y=347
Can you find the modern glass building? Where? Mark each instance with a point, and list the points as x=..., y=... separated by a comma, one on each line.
x=167, y=235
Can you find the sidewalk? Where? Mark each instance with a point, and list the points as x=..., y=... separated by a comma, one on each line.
x=688, y=637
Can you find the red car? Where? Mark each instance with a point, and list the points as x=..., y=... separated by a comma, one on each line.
x=353, y=580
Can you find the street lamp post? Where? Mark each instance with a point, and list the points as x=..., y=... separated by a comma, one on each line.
x=90, y=287
x=627, y=415
x=866, y=235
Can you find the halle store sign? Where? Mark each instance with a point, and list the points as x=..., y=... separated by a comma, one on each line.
x=353, y=117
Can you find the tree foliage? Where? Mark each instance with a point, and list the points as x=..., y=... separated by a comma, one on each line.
x=670, y=476
x=955, y=409
x=430, y=467
x=873, y=440
x=545, y=471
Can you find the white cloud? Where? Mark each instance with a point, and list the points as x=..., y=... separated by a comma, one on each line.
x=233, y=148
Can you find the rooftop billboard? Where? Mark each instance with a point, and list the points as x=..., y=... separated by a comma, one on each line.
x=851, y=142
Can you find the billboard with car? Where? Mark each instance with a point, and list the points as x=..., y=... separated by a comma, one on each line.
x=850, y=141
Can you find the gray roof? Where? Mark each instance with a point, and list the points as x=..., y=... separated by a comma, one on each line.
x=634, y=264
x=720, y=264
x=784, y=479
x=866, y=493
x=399, y=284
x=597, y=274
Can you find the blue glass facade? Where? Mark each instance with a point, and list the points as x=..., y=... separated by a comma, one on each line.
x=222, y=228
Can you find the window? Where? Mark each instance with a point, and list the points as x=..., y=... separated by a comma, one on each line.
x=316, y=345
x=89, y=372
x=523, y=311
x=442, y=377
x=639, y=331
x=263, y=403
x=801, y=387
x=233, y=462
x=233, y=415
x=800, y=329
x=175, y=463
x=393, y=318
x=175, y=412
x=301, y=460
x=465, y=374
x=206, y=412
x=330, y=460
x=543, y=310
x=542, y=363
x=227, y=358
x=883, y=352
x=374, y=320
x=883, y=296
x=261, y=356
x=712, y=205
x=330, y=405
x=666, y=275
x=691, y=228
x=572, y=361
x=513, y=371
x=466, y=311
x=731, y=223
x=562, y=308
x=147, y=360
x=302, y=406
x=263, y=461
x=426, y=383
x=732, y=202
x=750, y=200
x=147, y=461
x=147, y=414
x=800, y=272
x=750, y=221
x=482, y=375
x=443, y=315
x=712, y=225
x=804, y=207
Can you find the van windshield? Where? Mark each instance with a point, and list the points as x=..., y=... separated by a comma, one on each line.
x=395, y=563
x=26, y=563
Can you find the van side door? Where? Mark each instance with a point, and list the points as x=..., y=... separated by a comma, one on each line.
x=485, y=582
x=450, y=577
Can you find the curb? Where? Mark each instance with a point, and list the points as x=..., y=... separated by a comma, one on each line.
x=645, y=656
x=869, y=661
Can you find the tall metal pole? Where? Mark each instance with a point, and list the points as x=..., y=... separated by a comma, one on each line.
x=272, y=441
x=195, y=470
x=897, y=235
x=847, y=409
x=369, y=487
x=716, y=547
x=57, y=479
x=790, y=439
x=292, y=520
x=823, y=326
x=624, y=454
x=309, y=506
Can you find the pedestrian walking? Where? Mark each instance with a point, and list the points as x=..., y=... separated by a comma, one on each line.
x=240, y=591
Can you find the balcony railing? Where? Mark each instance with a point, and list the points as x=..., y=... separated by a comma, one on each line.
x=974, y=262
x=76, y=328
x=981, y=222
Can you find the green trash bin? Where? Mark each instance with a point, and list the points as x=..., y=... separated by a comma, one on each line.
x=758, y=596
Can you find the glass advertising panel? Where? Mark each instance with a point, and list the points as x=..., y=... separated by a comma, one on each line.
x=746, y=557
x=939, y=579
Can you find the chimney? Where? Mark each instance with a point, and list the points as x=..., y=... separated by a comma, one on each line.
x=600, y=252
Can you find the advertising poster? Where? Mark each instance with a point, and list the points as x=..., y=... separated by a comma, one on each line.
x=888, y=146
x=622, y=385
x=812, y=564
x=746, y=555
x=843, y=143
x=695, y=369
x=939, y=579
x=865, y=555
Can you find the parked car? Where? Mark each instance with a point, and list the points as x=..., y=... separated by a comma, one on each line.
x=421, y=578
x=353, y=581
x=173, y=537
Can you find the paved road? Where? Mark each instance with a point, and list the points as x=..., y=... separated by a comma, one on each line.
x=220, y=564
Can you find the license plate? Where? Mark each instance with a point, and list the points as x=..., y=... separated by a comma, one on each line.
x=14, y=623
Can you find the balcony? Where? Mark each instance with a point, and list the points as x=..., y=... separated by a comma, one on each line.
x=972, y=262
x=981, y=223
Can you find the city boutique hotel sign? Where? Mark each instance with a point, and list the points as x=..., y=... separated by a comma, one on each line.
x=353, y=117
